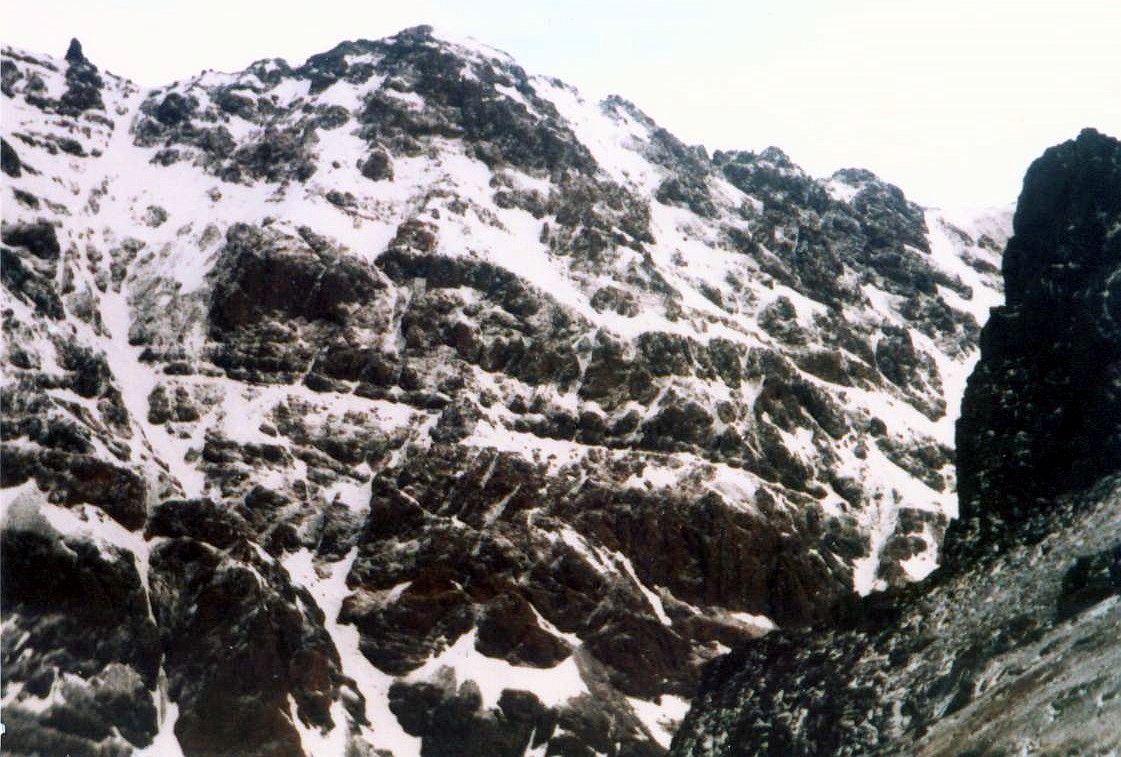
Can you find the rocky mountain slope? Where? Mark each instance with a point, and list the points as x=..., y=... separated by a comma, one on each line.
x=1013, y=646
x=405, y=401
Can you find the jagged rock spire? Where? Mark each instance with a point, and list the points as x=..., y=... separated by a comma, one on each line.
x=74, y=52
x=1041, y=414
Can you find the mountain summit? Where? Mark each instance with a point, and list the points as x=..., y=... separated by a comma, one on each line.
x=405, y=401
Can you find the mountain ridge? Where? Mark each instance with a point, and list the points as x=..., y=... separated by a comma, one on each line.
x=517, y=386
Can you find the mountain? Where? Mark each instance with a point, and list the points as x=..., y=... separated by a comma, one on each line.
x=1012, y=647
x=405, y=401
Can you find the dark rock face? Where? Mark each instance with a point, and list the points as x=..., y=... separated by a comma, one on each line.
x=241, y=706
x=94, y=651
x=1018, y=631
x=877, y=232
x=277, y=154
x=451, y=724
x=1042, y=412
x=174, y=109
x=77, y=478
x=468, y=565
x=29, y=264
x=508, y=629
x=74, y=53
x=265, y=280
x=264, y=284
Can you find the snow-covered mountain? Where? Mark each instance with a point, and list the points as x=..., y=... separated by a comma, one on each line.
x=1013, y=646
x=403, y=400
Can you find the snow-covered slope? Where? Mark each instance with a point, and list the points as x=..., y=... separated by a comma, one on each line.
x=403, y=397
x=1013, y=646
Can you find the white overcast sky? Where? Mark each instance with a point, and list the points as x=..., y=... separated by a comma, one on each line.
x=950, y=99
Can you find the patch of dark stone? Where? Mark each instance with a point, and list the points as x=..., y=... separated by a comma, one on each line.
x=83, y=84
x=78, y=478
x=1090, y=580
x=277, y=653
x=498, y=128
x=85, y=613
x=9, y=160
x=38, y=238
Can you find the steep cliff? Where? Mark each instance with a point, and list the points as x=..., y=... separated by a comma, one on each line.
x=1041, y=415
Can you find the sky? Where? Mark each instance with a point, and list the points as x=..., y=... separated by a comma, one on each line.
x=949, y=99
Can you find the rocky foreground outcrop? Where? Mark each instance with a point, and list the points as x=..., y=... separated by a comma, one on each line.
x=1013, y=646
x=402, y=400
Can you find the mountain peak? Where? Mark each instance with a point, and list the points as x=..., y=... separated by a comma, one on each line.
x=440, y=379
